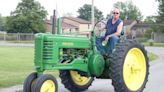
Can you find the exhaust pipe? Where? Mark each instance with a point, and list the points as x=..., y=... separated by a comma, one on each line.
x=54, y=22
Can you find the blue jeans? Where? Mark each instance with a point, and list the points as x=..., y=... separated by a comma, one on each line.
x=111, y=44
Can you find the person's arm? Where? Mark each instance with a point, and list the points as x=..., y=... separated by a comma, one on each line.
x=117, y=33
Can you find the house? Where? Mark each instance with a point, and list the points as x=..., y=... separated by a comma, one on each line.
x=71, y=25
x=83, y=25
x=66, y=27
x=128, y=24
x=141, y=28
x=135, y=28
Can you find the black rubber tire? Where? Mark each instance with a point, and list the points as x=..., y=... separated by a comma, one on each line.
x=42, y=79
x=27, y=86
x=68, y=82
x=117, y=62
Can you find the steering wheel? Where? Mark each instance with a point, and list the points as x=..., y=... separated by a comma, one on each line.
x=100, y=28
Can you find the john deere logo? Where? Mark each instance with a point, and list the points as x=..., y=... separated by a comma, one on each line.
x=67, y=43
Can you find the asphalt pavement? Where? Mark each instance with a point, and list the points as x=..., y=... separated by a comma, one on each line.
x=156, y=77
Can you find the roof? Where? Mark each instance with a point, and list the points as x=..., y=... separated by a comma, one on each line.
x=66, y=25
x=63, y=24
x=48, y=22
x=128, y=22
x=79, y=20
x=144, y=25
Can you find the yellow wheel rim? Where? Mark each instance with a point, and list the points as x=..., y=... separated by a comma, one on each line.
x=134, y=69
x=78, y=79
x=48, y=86
x=32, y=84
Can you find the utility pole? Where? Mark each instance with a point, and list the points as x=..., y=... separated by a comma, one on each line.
x=93, y=19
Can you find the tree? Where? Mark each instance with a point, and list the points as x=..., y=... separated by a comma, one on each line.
x=27, y=18
x=160, y=18
x=85, y=12
x=128, y=10
x=153, y=28
x=150, y=19
x=2, y=23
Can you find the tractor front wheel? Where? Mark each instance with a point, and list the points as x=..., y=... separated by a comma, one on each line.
x=29, y=82
x=129, y=67
x=45, y=83
x=74, y=82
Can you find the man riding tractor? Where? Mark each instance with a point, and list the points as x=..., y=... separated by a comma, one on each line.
x=79, y=62
x=114, y=28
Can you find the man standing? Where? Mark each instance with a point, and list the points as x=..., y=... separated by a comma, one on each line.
x=114, y=28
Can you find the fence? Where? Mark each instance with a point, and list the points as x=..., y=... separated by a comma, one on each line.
x=16, y=36
x=158, y=37
x=29, y=37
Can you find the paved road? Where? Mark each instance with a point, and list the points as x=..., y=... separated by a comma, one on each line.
x=156, y=78
x=155, y=83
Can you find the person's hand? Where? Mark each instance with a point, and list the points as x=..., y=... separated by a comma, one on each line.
x=107, y=38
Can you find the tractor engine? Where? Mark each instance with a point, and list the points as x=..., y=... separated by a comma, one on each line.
x=67, y=55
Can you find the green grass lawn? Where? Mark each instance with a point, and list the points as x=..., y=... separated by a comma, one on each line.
x=154, y=44
x=152, y=56
x=16, y=63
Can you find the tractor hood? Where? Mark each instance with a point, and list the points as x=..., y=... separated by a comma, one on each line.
x=63, y=41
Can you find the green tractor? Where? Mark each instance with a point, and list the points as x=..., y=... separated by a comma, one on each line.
x=79, y=62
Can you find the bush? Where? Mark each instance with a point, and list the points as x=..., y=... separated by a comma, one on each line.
x=151, y=42
x=143, y=39
x=148, y=33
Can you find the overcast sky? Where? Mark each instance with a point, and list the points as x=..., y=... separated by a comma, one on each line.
x=147, y=7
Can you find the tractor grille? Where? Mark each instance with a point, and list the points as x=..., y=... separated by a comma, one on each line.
x=47, y=50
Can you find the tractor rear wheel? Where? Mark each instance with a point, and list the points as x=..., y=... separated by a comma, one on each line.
x=74, y=82
x=46, y=83
x=129, y=67
x=29, y=82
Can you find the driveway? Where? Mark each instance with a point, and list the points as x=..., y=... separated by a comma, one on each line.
x=155, y=83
